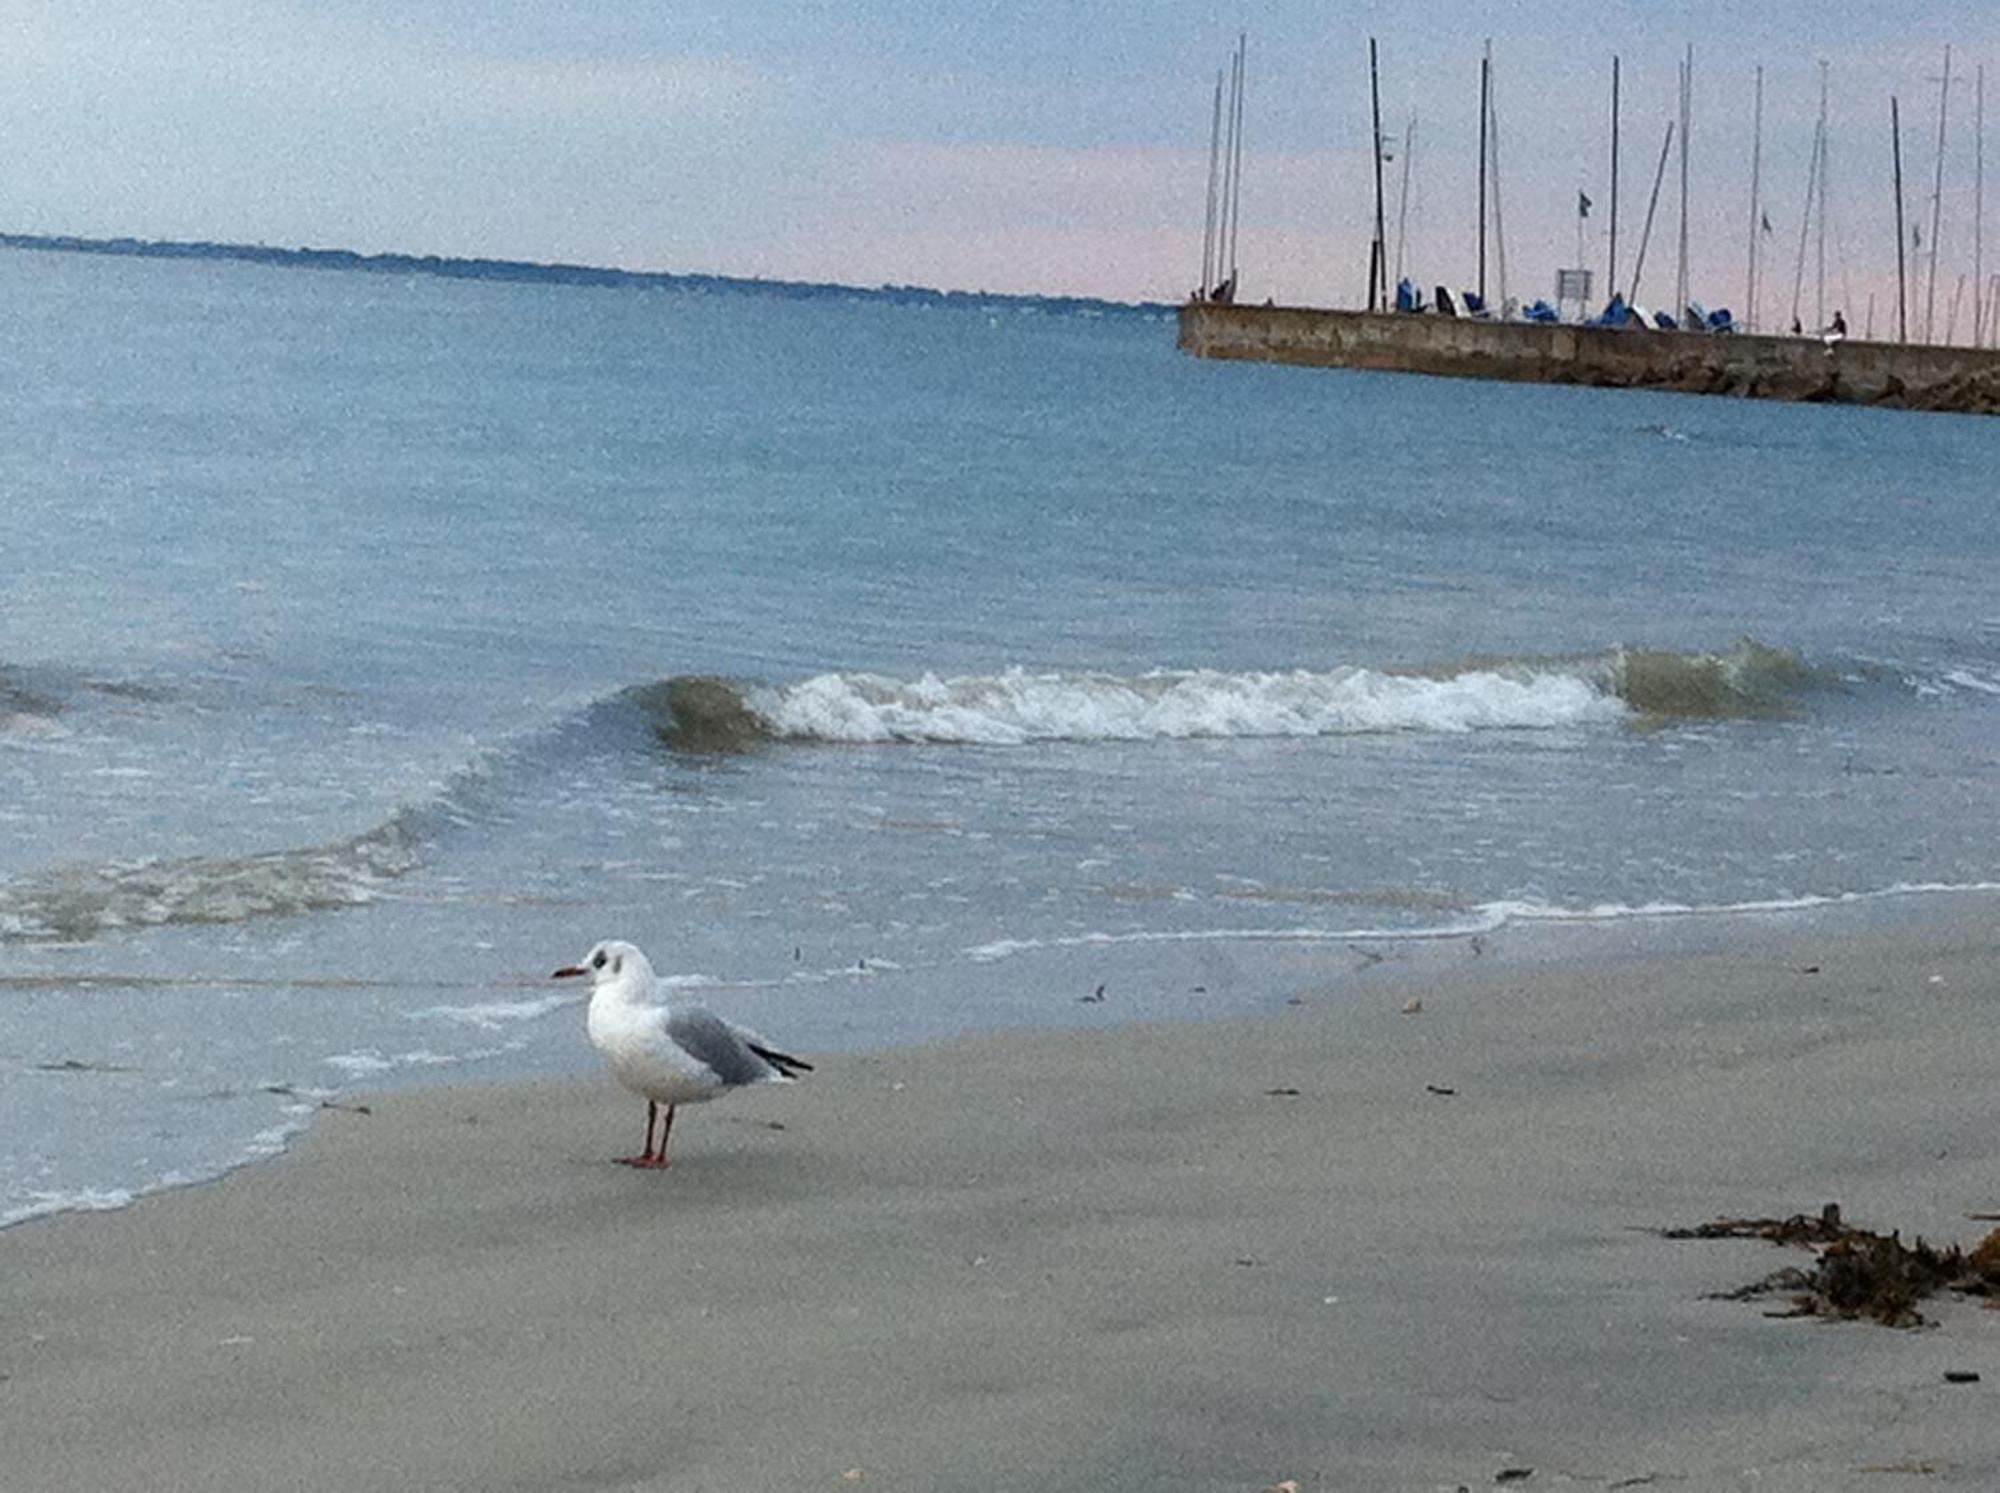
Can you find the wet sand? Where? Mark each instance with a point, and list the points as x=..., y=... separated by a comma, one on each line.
x=1349, y=1246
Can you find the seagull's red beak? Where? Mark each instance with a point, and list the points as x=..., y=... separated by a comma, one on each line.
x=569, y=971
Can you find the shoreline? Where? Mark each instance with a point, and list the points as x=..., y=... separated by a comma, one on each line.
x=1215, y=1254
x=1186, y=977
x=542, y=272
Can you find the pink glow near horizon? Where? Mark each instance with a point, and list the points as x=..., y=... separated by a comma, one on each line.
x=947, y=155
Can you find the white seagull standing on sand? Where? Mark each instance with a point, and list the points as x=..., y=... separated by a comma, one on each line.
x=670, y=1057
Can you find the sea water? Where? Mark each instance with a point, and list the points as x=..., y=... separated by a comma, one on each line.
x=371, y=645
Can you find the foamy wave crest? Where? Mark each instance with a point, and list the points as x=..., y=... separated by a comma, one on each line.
x=78, y=902
x=1017, y=706
x=709, y=713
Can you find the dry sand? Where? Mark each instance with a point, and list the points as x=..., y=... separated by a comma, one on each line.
x=1123, y=1260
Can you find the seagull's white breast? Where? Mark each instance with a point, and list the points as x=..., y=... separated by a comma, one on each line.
x=633, y=1040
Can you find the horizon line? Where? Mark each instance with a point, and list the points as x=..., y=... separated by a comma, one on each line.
x=482, y=267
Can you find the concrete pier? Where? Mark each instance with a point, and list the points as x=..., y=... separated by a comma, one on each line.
x=1899, y=376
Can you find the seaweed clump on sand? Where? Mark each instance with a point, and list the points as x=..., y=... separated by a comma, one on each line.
x=1856, y=1272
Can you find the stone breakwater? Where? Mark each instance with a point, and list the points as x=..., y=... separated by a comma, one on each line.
x=1898, y=376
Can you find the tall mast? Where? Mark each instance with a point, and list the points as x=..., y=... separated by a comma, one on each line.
x=1611, y=263
x=1236, y=177
x=1756, y=204
x=1403, y=203
x=1226, y=181
x=1485, y=95
x=1937, y=195
x=1378, y=270
x=1493, y=143
x=1806, y=216
x=1819, y=277
x=1687, y=108
x=1902, y=291
x=1214, y=163
x=1979, y=211
x=1646, y=234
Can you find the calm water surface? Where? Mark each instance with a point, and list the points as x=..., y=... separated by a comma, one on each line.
x=370, y=646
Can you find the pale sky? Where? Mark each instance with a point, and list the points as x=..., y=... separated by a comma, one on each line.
x=1030, y=146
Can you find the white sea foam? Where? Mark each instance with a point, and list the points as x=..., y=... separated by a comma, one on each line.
x=370, y=1061
x=82, y=1200
x=1488, y=917
x=493, y=1015
x=1007, y=948
x=1977, y=683
x=360, y=1064
x=266, y=1143
x=1511, y=912
x=1016, y=706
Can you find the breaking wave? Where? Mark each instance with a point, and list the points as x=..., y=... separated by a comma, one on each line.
x=1750, y=679
x=79, y=901
x=74, y=903
x=707, y=713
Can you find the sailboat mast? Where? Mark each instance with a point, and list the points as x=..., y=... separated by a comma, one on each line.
x=1499, y=219
x=1687, y=108
x=1378, y=285
x=1819, y=275
x=1902, y=291
x=1756, y=204
x=1937, y=196
x=1225, y=180
x=1236, y=175
x=1805, y=218
x=1403, y=203
x=1214, y=163
x=1979, y=210
x=1611, y=262
x=1646, y=234
x=1485, y=93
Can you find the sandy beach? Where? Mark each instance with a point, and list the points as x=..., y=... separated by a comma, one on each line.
x=1350, y=1245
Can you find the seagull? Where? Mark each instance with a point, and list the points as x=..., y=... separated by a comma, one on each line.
x=669, y=1056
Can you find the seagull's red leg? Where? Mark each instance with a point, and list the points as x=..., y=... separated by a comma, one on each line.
x=648, y=1157
x=666, y=1130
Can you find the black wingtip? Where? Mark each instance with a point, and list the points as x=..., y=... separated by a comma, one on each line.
x=784, y=1062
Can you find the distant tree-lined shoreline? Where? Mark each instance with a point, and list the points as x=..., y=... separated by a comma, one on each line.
x=530, y=272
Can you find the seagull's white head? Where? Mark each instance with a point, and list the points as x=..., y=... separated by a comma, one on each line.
x=611, y=962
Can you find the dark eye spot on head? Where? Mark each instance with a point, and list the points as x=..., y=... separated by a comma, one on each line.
x=597, y=960
x=617, y=964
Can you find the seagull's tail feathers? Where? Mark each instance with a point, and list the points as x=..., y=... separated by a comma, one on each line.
x=786, y=1065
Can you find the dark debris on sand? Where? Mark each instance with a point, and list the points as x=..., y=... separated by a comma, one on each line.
x=1856, y=1272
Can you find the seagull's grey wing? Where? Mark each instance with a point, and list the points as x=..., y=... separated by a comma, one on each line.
x=711, y=1040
